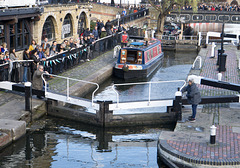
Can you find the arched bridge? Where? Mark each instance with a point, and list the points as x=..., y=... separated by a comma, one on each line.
x=204, y=17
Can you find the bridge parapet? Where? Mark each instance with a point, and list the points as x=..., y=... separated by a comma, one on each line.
x=204, y=17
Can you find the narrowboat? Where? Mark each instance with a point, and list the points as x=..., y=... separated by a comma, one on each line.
x=139, y=59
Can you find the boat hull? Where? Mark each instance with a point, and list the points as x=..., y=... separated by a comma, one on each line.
x=138, y=74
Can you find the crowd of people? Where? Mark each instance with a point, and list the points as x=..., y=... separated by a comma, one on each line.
x=213, y=7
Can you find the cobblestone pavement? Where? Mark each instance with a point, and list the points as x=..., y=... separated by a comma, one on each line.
x=190, y=142
x=210, y=70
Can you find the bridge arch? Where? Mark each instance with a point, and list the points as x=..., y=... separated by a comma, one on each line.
x=67, y=27
x=49, y=27
x=82, y=23
x=234, y=2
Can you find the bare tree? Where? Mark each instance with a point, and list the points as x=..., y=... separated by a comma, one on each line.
x=165, y=7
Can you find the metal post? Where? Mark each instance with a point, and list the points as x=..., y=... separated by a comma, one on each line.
x=149, y=95
x=219, y=76
x=222, y=36
x=177, y=105
x=213, y=50
x=67, y=88
x=28, y=95
x=199, y=38
x=181, y=34
x=213, y=134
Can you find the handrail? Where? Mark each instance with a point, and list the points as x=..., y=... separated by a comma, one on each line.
x=116, y=48
x=173, y=37
x=63, y=77
x=200, y=64
x=239, y=63
x=141, y=83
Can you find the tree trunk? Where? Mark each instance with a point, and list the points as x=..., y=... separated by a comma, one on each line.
x=160, y=24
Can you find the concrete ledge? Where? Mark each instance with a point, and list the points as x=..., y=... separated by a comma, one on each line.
x=15, y=129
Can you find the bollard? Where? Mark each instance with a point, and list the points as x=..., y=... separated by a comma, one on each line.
x=219, y=53
x=28, y=95
x=213, y=134
x=213, y=50
x=219, y=76
x=177, y=105
x=222, y=62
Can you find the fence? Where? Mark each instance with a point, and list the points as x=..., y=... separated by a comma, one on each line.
x=131, y=17
x=169, y=37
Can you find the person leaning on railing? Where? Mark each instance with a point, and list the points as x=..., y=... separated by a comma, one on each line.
x=14, y=71
x=35, y=62
x=33, y=45
x=3, y=68
x=53, y=48
x=26, y=56
x=4, y=47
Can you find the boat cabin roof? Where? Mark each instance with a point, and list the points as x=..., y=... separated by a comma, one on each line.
x=143, y=45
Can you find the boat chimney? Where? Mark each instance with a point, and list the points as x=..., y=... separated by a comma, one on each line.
x=146, y=43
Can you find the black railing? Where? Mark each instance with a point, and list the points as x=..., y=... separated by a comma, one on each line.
x=131, y=17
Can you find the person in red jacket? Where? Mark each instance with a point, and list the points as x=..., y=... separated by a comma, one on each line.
x=124, y=39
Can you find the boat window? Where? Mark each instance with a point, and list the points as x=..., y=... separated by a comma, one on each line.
x=139, y=57
x=123, y=56
x=132, y=56
x=152, y=53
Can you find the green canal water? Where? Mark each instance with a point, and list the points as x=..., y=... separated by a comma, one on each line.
x=60, y=143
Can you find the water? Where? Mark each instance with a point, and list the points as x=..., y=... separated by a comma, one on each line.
x=59, y=143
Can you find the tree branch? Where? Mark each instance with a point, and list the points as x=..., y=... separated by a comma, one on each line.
x=155, y=6
x=172, y=3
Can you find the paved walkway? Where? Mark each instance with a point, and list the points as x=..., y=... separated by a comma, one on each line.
x=190, y=142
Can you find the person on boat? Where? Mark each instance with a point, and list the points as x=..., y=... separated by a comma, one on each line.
x=193, y=97
x=124, y=39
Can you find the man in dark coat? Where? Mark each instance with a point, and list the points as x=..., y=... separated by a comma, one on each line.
x=37, y=82
x=193, y=96
x=108, y=27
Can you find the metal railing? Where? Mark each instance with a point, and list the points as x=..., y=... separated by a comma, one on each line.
x=188, y=38
x=177, y=37
x=131, y=17
x=239, y=63
x=143, y=83
x=168, y=37
x=200, y=62
x=67, y=97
